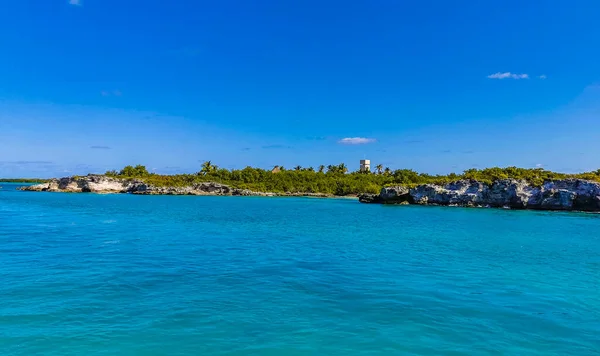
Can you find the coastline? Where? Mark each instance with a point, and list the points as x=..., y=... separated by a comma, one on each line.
x=565, y=195
x=99, y=184
x=560, y=195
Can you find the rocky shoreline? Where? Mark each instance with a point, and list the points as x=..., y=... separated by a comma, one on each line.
x=567, y=195
x=109, y=185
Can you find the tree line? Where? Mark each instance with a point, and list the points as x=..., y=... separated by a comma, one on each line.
x=335, y=179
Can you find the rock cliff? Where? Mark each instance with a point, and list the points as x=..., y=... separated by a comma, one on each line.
x=568, y=194
x=104, y=184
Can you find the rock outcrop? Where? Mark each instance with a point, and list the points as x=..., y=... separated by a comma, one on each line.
x=90, y=183
x=568, y=194
x=104, y=184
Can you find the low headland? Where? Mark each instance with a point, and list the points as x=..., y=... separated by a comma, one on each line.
x=23, y=180
x=514, y=188
x=102, y=184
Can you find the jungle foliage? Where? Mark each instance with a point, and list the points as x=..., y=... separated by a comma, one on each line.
x=335, y=179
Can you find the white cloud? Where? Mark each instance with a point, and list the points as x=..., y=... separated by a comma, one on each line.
x=75, y=2
x=506, y=75
x=539, y=165
x=111, y=93
x=543, y=76
x=356, y=140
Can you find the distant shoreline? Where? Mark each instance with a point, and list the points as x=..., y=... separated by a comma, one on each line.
x=511, y=187
x=23, y=180
x=99, y=184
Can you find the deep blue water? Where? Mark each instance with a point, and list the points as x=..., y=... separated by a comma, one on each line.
x=84, y=274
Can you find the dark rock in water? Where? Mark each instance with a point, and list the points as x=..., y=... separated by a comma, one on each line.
x=396, y=195
x=568, y=194
x=370, y=198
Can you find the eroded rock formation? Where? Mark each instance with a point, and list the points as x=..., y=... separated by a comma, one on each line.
x=568, y=194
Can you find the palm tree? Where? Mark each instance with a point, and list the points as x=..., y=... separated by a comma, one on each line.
x=208, y=167
x=379, y=168
x=321, y=168
x=331, y=168
x=387, y=171
x=342, y=168
x=298, y=168
x=310, y=169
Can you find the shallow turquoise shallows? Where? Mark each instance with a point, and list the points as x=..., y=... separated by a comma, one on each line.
x=85, y=274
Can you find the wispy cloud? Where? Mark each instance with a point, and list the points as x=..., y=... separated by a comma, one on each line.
x=539, y=165
x=83, y=166
x=21, y=163
x=246, y=149
x=543, y=76
x=276, y=147
x=414, y=141
x=75, y=2
x=37, y=167
x=356, y=140
x=115, y=92
x=508, y=75
x=100, y=147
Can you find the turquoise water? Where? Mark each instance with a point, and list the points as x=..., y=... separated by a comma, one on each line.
x=84, y=274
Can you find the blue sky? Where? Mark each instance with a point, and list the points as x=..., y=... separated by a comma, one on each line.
x=438, y=86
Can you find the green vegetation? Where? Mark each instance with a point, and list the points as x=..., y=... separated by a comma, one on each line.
x=23, y=180
x=330, y=180
x=138, y=171
x=334, y=179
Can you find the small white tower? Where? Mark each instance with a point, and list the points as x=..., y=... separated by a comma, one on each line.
x=365, y=165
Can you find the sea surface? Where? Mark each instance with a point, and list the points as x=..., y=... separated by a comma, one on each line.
x=86, y=274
